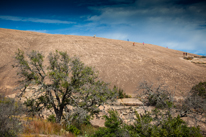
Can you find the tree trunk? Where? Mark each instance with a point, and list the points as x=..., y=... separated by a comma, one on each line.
x=59, y=113
x=58, y=116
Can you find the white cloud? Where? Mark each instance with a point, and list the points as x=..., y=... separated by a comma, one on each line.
x=37, y=20
x=154, y=22
x=114, y=35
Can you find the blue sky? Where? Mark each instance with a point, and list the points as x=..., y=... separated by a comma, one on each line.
x=177, y=24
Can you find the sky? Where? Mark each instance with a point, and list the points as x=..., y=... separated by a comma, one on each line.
x=176, y=24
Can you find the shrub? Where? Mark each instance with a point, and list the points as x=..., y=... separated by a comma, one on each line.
x=10, y=112
x=73, y=129
x=113, y=127
x=194, y=105
x=88, y=130
x=120, y=92
x=188, y=58
x=148, y=124
x=51, y=118
x=199, y=89
x=158, y=97
x=155, y=123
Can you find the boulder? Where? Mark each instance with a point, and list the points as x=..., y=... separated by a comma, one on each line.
x=130, y=102
x=97, y=122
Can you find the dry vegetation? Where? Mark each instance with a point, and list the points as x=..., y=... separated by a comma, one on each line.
x=41, y=126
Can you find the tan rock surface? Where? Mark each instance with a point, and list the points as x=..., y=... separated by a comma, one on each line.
x=130, y=102
x=118, y=62
x=199, y=60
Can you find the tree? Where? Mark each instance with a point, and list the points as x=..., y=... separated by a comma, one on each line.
x=64, y=81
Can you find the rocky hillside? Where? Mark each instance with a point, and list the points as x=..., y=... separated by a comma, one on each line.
x=118, y=62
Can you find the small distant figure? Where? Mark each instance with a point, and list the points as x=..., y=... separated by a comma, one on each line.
x=127, y=39
x=94, y=36
x=143, y=43
x=134, y=44
x=167, y=47
x=183, y=54
x=186, y=53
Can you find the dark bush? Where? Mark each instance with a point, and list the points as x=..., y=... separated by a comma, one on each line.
x=149, y=124
x=155, y=96
x=199, y=89
x=121, y=93
x=113, y=127
x=194, y=105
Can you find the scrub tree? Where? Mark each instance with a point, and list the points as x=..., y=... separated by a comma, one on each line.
x=59, y=82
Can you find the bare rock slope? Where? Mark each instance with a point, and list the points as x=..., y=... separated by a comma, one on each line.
x=118, y=62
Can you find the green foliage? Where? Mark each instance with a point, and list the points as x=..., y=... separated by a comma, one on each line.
x=52, y=118
x=88, y=130
x=33, y=107
x=195, y=102
x=159, y=96
x=10, y=112
x=65, y=81
x=113, y=126
x=120, y=92
x=199, y=89
x=147, y=125
x=73, y=129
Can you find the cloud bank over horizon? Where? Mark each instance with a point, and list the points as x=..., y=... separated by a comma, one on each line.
x=36, y=20
x=177, y=24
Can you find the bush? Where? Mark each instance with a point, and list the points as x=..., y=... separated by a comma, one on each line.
x=120, y=92
x=199, y=89
x=149, y=124
x=158, y=122
x=194, y=105
x=113, y=127
x=188, y=58
x=158, y=97
x=51, y=118
x=10, y=112
x=73, y=129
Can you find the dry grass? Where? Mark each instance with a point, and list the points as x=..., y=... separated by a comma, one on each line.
x=40, y=126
